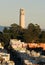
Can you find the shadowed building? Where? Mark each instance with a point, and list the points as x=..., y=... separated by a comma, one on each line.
x=22, y=18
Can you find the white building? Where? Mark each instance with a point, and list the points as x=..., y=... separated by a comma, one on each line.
x=11, y=63
x=15, y=43
x=34, y=54
x=18, y=45
x=1, y=46
x=5, y=56
x=26, y=62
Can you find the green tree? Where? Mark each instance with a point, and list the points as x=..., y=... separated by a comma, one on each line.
x=1, y=36
x=42, y=37
x=6, y=30
x=34, y=31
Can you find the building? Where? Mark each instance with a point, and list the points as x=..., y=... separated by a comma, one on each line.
x=22, y=18
x=35, y=54
x=18, y=45
x=36, y=45
x=1, y=46
x=5, y=57
x=15, y=43
x=10, y=63
x=26, y=62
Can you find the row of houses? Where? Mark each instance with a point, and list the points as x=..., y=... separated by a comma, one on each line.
x=36, y=45
x=17, y=43
x=28, y=57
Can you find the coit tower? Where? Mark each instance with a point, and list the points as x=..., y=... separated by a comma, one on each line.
x=22, y=18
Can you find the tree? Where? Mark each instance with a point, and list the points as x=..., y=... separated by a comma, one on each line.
x=1, y=36
x=6, y=39
x=5, y=30
x=42, y=37
x=34, y=31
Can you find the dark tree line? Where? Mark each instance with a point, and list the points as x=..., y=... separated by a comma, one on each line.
x=32, y=33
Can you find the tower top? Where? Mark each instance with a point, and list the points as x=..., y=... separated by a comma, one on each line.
x=22, y=11
x=21, y=8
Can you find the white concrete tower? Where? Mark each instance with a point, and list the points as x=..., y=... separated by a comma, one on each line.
x=22, y=18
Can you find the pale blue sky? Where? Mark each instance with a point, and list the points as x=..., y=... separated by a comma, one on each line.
x=34, y=11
